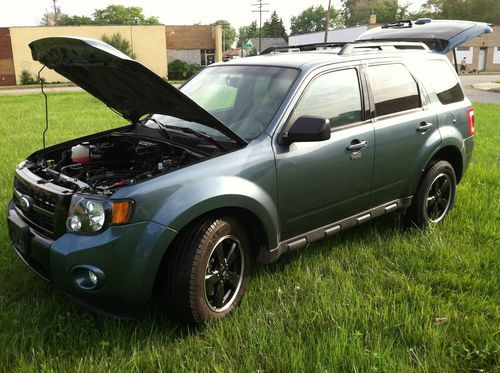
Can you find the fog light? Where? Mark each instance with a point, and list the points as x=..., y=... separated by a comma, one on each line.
x=87, y=277
x=75, y=224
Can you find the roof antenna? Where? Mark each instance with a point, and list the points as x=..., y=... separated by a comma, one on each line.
x=40, y=79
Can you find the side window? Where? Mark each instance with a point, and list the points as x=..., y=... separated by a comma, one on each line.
x=394, y=89
x=335, y=95
x=445, y=82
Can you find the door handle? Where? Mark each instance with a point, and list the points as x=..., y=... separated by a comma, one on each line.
x=357, y=145
x=424, y=126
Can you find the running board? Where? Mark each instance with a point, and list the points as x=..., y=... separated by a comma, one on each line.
x=303, y=240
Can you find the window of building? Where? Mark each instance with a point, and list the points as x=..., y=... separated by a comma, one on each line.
x=394, y=89
x=335, y=95
x=496, y=55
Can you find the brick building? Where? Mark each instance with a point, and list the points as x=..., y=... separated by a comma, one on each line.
x=482, y=53
x=198, y=44
x=7, y=71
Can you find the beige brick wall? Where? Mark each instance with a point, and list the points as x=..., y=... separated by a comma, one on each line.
x=490, y=42
x=148, y=43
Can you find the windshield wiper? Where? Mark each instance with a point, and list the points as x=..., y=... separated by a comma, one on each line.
x=190, y=131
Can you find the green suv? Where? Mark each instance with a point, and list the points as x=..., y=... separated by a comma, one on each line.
x=248, y=160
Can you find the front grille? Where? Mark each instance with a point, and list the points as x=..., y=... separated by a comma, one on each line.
x=42, y=200
x=48, y=209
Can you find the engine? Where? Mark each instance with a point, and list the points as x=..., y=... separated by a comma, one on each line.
x=105, y=164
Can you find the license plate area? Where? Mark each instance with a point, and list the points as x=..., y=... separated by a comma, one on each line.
x=21, y=237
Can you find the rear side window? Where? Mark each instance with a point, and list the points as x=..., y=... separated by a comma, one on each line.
x=444, y=81
x=334, y=95
x=394, y=89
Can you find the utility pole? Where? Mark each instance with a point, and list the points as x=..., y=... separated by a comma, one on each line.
x=56, y=11
x=259, y=5
x=327, y=22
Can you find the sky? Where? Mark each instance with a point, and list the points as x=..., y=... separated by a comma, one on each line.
x=178, y=12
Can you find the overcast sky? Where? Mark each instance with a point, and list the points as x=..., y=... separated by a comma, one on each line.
x=171, y=12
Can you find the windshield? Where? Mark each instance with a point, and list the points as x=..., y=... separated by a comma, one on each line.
x=244, y=98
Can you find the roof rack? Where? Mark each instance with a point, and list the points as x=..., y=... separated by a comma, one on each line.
x=404, y=23
x=303, y=48
x=386, y=46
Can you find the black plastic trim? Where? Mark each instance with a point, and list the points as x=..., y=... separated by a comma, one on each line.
x=303, y=240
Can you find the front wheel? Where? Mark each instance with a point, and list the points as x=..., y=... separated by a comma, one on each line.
x=434, y=197
x=209, y=271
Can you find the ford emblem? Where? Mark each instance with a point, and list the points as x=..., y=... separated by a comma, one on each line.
x=25, y=203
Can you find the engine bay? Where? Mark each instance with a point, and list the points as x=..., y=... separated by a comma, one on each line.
x=104, y=164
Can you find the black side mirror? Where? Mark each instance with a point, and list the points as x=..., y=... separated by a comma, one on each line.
x=308, y=128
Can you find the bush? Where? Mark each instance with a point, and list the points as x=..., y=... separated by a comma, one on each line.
x=180, y=70
x=27, y=78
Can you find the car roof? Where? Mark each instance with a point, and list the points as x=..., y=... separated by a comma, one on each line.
x=313, y=59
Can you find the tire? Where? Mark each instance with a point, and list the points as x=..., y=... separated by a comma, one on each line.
x=434, y=197
x=207, y=271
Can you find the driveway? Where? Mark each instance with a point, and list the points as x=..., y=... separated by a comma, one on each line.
x=477, y=95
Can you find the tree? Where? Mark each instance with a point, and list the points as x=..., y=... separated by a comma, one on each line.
x=477, y=10
x=119, y=42
x=121, y=15
x=247, y=32
x=274, y=28
x=66, y=20
x=313, y=19
x=357, y=12
x=229, y=33
x=112, y=15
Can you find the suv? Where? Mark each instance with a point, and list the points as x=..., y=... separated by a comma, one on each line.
x=249, y=159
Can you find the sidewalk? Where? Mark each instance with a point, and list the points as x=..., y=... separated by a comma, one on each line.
x=493, y=87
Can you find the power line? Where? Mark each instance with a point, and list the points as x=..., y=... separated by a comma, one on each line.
x=259, y=6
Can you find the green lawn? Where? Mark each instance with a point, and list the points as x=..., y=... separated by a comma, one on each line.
x=365, y=300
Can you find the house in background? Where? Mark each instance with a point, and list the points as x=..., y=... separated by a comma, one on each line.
x=482, y=53
x=197, y=45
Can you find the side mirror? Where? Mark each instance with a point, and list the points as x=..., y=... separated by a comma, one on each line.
x=308, y=128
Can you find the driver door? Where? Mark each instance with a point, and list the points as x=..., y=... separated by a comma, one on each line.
x=322, y=182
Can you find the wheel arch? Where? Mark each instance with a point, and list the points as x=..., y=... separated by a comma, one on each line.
x=251, y=222
x=451, y=154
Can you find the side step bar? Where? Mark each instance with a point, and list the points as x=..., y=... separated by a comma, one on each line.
x=303, y=240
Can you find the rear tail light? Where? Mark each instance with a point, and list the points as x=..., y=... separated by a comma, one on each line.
x=470, y=120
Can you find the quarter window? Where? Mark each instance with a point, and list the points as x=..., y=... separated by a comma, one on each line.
x=394, y=89
x=334, y=95
x=445, y=82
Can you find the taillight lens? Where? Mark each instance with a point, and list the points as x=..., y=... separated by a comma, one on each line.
x=470, y=120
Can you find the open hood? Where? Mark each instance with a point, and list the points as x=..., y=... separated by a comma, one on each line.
x=441, y=36
x=121, y=83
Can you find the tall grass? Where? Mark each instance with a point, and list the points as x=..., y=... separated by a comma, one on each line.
x=366, y=300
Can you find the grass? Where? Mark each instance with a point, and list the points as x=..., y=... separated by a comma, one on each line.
x=61, y=84
x=366, y=300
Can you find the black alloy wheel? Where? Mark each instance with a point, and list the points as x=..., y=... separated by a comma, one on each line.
x=434, y=197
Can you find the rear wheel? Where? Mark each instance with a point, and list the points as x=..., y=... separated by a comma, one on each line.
x=434, y=197
x=208, y=271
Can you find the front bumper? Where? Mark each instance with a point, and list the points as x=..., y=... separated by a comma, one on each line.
x=129, y=256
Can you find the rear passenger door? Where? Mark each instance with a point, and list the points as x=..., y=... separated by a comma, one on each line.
x=321, y=182
x=406, y=131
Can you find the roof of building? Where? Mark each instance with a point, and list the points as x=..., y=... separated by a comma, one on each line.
x=268, y=42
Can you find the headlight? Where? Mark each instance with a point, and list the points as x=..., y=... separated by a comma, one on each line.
x=88, y=215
